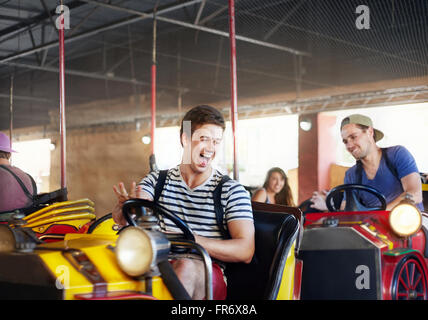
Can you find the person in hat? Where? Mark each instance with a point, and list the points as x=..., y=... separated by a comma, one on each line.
x=392, y=171
x=188, y=191
x=17, y=188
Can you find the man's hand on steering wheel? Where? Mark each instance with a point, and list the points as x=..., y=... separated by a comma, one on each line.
x=318, y=200
x=122, y=196
x=352, y=200
x=141, y=204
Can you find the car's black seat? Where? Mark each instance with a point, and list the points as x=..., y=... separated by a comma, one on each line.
x=275, y=233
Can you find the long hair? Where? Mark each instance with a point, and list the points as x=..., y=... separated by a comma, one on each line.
x=285, y=196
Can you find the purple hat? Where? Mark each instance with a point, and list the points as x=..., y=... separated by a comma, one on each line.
x=5, y=143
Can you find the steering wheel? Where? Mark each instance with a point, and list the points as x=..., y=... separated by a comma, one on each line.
x=352, y=201
x=141, y=204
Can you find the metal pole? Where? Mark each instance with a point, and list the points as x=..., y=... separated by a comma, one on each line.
x=152, y=158
x=153, y=87
x=234, y=96
x=11, y=110
x=62, y=101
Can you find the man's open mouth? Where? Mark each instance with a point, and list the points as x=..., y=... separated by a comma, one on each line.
x=205, y=158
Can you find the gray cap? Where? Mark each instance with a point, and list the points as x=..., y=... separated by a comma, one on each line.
x=362, y=120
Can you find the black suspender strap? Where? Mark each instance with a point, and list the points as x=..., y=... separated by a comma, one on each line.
x=159, y=184
x=219, y=213
x=389, y=164
x=359, y=171
x=33, y=183
x=23, y=187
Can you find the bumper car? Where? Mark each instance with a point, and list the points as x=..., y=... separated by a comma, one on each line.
x=63, y=252
x=364, y=252
x=424, y=178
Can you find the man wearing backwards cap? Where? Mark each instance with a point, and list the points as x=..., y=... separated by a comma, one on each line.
x=392, y=171
x=12, y=194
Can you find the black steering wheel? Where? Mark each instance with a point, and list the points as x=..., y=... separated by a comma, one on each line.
x=141, y=204
x=352, y=201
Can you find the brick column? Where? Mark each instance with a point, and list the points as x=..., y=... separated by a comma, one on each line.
x=317, y=151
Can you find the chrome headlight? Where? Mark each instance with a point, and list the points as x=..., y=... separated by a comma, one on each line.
x=7, y=239
x=138, y=251
x=405, y=219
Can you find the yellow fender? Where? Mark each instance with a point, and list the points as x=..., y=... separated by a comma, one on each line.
x=75, y=214
x=98, y=248
x=104, y=225
x=286, y=288
x=60, y=205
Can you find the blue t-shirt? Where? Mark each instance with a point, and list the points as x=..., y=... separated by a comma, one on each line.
x=385, y=181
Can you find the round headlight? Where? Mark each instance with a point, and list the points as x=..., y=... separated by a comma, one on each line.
x=7, y=239
x=138, y=250
x=405, y=219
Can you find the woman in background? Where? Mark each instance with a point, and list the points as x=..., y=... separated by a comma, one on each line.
x=275, y=189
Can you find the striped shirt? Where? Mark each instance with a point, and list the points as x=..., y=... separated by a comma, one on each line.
x=196, y=206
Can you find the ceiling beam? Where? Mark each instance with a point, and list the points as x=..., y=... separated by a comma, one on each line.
x=25, y=98
x=24, y=25
x=286, y=17
x=200, y=28
x=114, y=25
x=368, y=99
x=198, y=15
x=10, y=18
x=111, y=78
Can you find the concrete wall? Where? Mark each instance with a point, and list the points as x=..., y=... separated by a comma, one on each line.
x=98, y=159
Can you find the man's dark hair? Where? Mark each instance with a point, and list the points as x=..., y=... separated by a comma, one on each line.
x=201, y=115
x=4, y=155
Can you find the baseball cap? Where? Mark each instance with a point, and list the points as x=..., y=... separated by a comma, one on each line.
x=5, y=143
x=362, y=120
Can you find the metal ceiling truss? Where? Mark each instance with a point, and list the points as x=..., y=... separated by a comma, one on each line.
x=110, y=78
x=298, y=106
x=389, y=97
x=199, y=27
x=13, y=31
x=106, y=27
x=136, y=17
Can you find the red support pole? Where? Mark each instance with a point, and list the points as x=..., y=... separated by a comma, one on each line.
x=62, y=101
x=152, y=133
x=234, y=95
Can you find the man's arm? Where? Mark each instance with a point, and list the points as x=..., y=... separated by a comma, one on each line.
x=405, y=165
x=412, y=185
x=240, y=248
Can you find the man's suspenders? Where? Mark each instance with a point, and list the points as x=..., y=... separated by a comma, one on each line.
x=216, y=195
x=359, y=171
x=159, y=184
x=30, y=196
x=219, y=212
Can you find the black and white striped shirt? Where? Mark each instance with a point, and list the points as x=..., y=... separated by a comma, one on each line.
x=196, y=206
